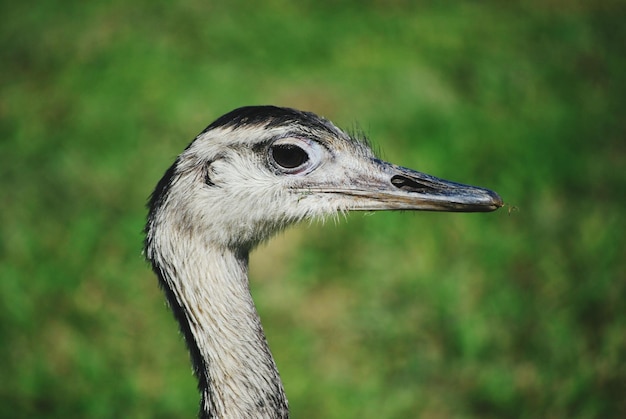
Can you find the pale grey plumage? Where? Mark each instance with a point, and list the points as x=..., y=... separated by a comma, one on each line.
x=251, y=173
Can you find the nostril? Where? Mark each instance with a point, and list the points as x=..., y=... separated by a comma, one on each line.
x=410, y=185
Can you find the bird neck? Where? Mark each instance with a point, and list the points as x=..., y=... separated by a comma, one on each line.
x=208, y=290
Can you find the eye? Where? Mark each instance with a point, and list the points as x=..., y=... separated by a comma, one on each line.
x=295, y=156
x=288, y=156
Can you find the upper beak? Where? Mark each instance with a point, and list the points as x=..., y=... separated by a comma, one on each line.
x=391, y=187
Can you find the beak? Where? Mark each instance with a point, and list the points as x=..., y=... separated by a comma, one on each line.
x=391, y=187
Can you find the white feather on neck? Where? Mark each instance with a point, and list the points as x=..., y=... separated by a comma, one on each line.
x=211, y=285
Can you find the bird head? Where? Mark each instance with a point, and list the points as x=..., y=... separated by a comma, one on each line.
x=258, y=169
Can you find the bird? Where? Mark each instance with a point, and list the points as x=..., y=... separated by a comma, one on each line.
x=250, y=174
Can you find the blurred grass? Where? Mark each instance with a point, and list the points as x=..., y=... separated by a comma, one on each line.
x=391, y=315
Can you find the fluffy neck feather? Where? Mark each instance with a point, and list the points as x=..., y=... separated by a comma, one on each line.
x=208, y=290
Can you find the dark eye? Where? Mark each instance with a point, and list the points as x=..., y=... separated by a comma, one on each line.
x=289, y=156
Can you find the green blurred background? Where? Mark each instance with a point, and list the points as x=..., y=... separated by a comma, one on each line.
x=519, y=313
